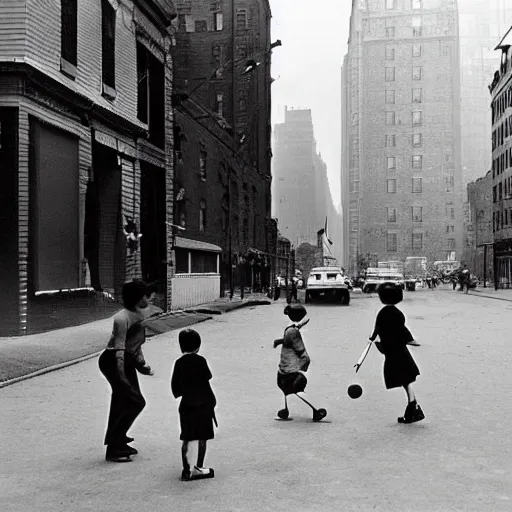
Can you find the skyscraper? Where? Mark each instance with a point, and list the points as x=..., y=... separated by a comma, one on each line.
x=401, y=156
x=301, y=195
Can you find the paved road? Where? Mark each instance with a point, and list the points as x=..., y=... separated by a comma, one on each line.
x=358, y=459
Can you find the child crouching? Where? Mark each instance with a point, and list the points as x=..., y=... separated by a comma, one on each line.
x=190, y=380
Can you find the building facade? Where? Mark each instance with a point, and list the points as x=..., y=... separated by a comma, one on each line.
x=86, y=147
x=501, y=91
x=479, y=254
x=301, y=195
x=401, y=137
x=222, y=138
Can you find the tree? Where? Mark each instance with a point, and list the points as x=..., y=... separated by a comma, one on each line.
x=307, y=256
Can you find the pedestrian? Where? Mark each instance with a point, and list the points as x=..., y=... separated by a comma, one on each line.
x=400, y=370
x=119, y=363
x=277, y=288
x=294, y=360
x=191, y=381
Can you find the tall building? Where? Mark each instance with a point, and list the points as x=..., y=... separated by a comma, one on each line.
x=501, y=91
x=222, y=133
x=401, y=133
x=301, y=195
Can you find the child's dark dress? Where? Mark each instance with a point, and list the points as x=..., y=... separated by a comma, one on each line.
x=399, y=366
x=190, y=380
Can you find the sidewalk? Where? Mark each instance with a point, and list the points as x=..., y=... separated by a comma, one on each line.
x=23, y=357
x=488, y=292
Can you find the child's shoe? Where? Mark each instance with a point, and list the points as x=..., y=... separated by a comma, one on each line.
x=412, y=413
x=186, y=475
x=200, y=473
x=319, y=415
x=118, y=454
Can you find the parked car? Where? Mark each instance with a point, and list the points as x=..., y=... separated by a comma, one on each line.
x=328, y=283
x=375, y=277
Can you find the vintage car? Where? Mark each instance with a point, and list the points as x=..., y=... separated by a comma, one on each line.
x=328, y=283
x=375, y=277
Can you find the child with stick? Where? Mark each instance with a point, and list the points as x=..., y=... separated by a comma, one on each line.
x=400, y=370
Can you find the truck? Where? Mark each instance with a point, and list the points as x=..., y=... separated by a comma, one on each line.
x=328, y=282
x=415, y=269
x=375, y=277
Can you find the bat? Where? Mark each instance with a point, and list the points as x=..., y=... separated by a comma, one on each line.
x=363, y=356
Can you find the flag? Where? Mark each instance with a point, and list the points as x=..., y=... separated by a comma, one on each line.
x=326, y=235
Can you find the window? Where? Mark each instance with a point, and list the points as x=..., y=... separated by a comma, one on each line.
x=416, y=50
x=108, y=49
x=417, y=118
x=181, y=257
x=390, y=118
x=390, y=74
x=391, y=214
x=215, y=5
x=417, y=162
x=68, y=39
x=391, y=186
x=219, y=104
x=390, y=4
x=446, y=50
x=182, y=23
x=390, y=141
x=451, y=244
x=202, y=215
x=390, y=53
x=417, y=185
x=241, y=19
x=245, y=230
x=416, y=26
x=201, y=26
x=392, y=242
x=390, y=97
x=451, y=212
x=449, y=183
x=203, y=262
x=142, y=83
x=416, y=72
x=218, y=21
x=417, y=140
x=494, y=194
x=242, y=100
x=390, y=32
x=417, y=95
x=417, y=214
x=202, y=164
x=416, y=4
x=417, y=241
x=391, y=165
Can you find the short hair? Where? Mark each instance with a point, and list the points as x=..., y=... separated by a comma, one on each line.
x=189, y=340
x=390, y=294
x=133, y=292
x=296, y=312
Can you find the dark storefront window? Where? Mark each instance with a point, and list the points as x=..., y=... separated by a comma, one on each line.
x=204, y=262
x=181, y=261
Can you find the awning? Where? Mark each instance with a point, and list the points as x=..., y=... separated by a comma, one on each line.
x=195, y=245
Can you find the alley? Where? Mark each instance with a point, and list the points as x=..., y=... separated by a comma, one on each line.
x=358, y=458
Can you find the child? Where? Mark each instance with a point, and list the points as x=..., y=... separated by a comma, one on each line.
x=190, y=380
x=400, y=370
x=294, y=361
x=119, y=364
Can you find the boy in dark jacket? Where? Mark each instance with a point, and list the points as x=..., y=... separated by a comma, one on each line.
x=191, y=381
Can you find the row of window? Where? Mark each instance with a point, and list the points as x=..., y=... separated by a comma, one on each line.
x=502, y=163
x=417, y=162
x=416, y=214
x=417, y=51
x=393, y=118
x=216, y=24
x=417, y=140
x=417, y=185
x=417, y=96
x=416, y=242
x=415, y=4
x=501, y=103
x=417, y=73
x=503, y=190
x=502, y=132
x=501, y=219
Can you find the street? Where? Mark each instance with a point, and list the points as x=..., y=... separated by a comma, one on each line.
x=358, y=459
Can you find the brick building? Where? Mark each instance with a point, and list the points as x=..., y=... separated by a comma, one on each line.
x=301, y=195
x=86, y=147
x=480, y=223
x=401, y=131
x=222, y=137
x=501, y=91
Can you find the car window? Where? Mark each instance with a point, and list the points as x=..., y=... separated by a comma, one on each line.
x=318, y=277
x=331, y=276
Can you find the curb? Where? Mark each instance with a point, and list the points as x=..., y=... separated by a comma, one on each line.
x=479, y=293
x=48, y=369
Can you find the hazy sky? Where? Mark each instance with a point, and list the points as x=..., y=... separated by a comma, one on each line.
x=307, y=70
